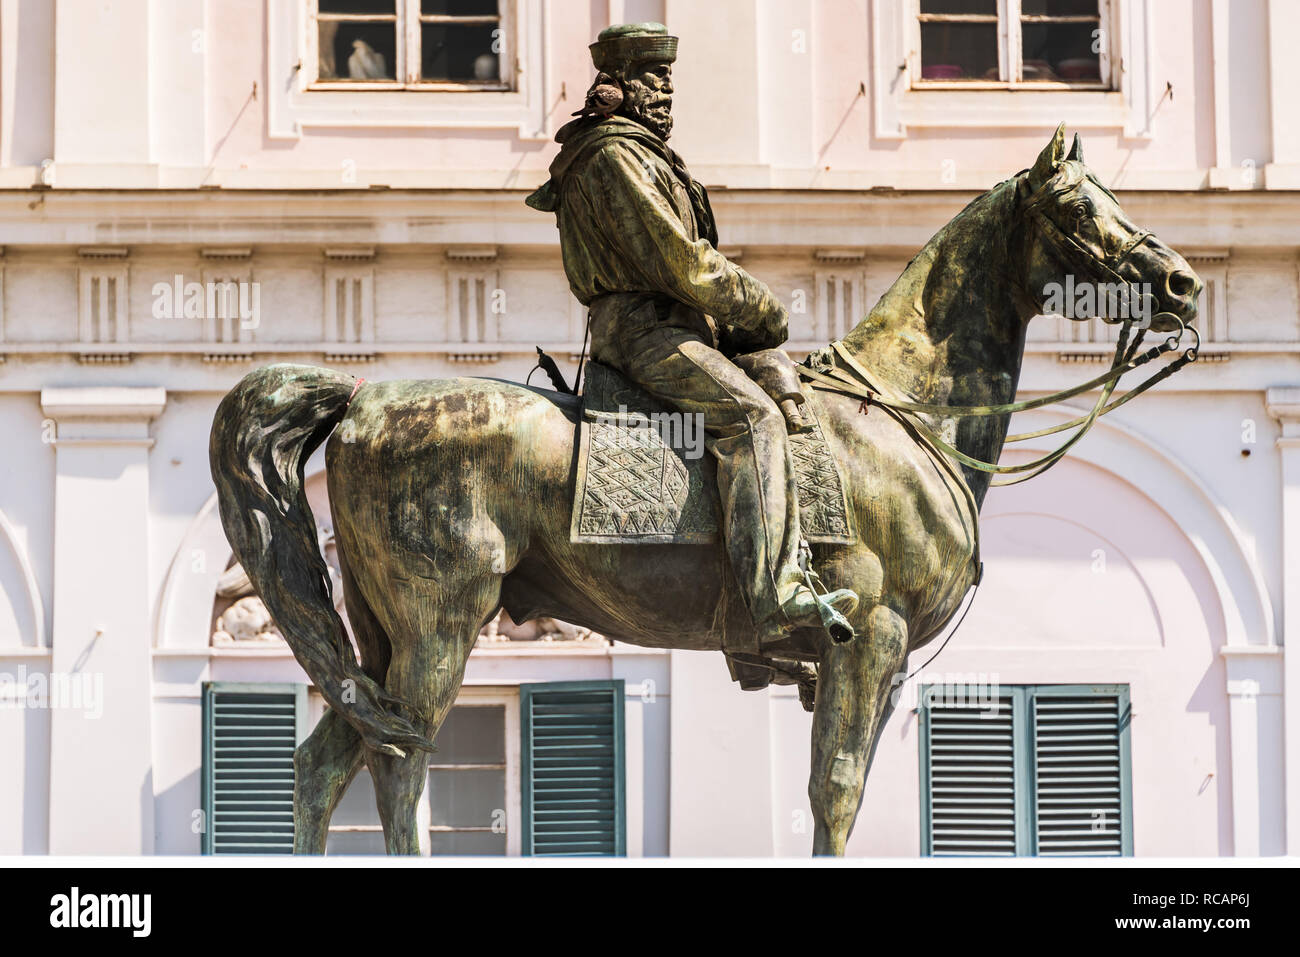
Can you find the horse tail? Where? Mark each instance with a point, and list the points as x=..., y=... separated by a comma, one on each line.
x=264, y=431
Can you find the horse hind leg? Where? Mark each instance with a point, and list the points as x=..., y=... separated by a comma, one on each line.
x=855, y=682
x=429, y=653
x=328, y=761
x=324, y=765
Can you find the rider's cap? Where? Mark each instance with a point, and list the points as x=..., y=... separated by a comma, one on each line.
x=622, y=46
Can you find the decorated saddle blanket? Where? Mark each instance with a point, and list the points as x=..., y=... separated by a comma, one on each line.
x=645, y=476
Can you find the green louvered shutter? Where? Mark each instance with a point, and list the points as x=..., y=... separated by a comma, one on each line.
x=970, y=774
x=250, y=732
x=1048, y=772
x=1080, y=785
x=573, y=768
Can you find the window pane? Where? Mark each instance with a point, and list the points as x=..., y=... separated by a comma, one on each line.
x=355, y=842
x=460, y=54
x=458, y=8
x=984, y=7
x=357, y=51
x=472, y=735
x=959, y=51
x=472, y=844
x=1060, y=8
x=357, y=806
x=370, y=7
x=466, y=798
x=1060, y=52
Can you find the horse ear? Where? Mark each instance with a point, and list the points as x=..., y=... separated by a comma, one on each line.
x=1076, y=150
x=1049, y=159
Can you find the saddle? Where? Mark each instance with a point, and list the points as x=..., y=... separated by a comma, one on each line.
x=644, y=475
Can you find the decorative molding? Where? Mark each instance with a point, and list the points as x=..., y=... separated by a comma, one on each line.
x=106, y=417
x=473, y=254
x=470, y=300
x=471, y=358
x=104, y=358
x=350, y=253
x=1212, y=308
x=103, y=252
x=352, y=357
x=103, y=303
x=838, y=302
x=226, y=252
x=222, y=317
x=349, y=313
x=1075, y=358
x=103, y=403
x=840, y=256
x=1100, y=358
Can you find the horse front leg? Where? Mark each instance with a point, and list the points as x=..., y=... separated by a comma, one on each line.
x=853, y=701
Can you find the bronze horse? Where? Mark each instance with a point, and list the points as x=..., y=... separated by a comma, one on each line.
x=451, y=498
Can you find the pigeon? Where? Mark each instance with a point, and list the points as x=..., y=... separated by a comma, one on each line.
x=603, y=99
x=366, y=63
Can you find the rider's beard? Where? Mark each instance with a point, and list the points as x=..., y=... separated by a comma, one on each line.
x=652, y=110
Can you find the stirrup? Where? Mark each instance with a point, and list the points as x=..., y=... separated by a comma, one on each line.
x=836, y=625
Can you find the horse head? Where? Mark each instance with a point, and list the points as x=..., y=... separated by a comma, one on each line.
x=1086, y=259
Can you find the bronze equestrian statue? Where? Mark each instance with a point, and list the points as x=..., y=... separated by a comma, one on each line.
x=452, y=498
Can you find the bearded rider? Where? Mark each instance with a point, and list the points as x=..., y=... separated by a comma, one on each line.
x=667, y=309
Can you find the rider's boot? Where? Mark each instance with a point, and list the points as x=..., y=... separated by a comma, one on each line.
x=802, y=608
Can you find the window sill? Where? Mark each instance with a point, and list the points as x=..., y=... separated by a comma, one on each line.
x=1050, y=87
x=1004, y=107
x=378, y=86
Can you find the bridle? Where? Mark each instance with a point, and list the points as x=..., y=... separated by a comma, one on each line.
x=843, y=373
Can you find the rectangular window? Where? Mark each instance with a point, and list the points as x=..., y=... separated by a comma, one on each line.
x=1032, y=770
x=1028, y=44
x=416, y=44
x=250, y=732
x=574, y=789
x=470, y=804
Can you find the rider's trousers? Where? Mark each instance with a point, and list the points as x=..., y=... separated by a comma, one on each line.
x=745, y=432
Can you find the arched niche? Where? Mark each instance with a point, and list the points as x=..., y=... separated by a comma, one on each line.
x=189, y=604
x=1133, y=475
x=22, y=611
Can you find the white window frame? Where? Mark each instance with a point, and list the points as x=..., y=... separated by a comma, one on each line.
x=900, y=105
x=1010, y=49
x=407, y=20
x=470, y=696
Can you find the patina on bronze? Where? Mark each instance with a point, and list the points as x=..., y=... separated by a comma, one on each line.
x=451, y=499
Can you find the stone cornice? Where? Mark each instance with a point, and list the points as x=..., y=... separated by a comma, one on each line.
x=102, y=416
x=103, y=403
x=883, y=220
